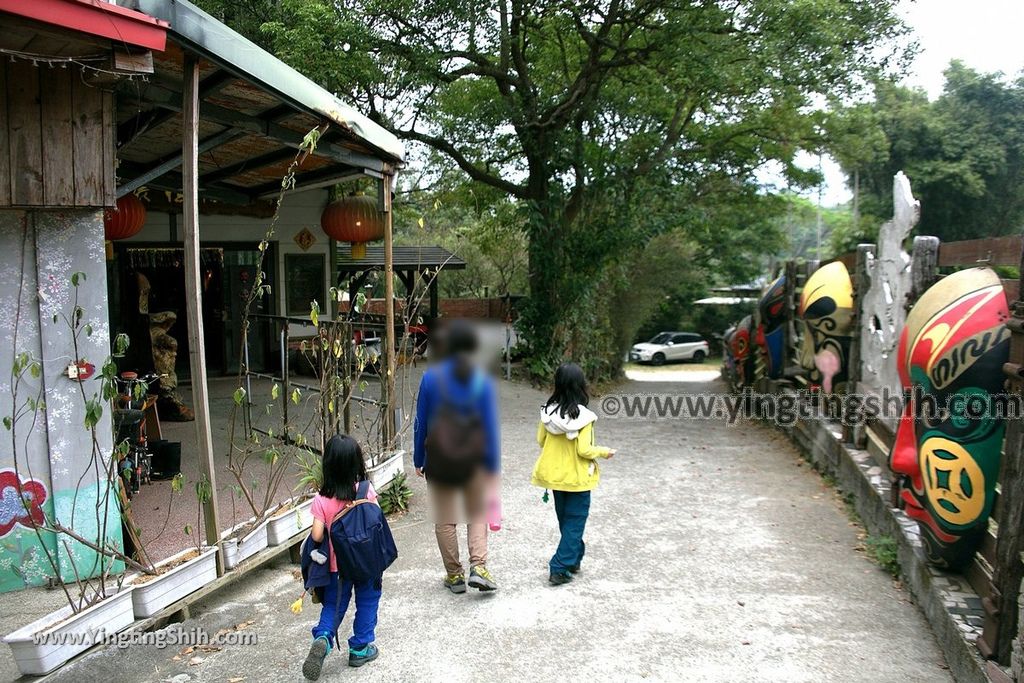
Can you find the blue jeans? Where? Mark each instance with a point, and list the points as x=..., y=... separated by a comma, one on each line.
x=331, y=614
x=572, y=509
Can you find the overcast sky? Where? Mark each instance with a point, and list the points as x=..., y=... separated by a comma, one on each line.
x=987, y=35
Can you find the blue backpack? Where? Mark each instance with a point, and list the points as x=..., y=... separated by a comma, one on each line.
x=362, y=540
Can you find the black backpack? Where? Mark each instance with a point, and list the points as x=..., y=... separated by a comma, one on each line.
x=456, y=441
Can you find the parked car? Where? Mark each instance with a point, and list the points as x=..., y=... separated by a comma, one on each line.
x=670, y=346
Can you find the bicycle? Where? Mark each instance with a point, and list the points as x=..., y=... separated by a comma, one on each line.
x=131, y=444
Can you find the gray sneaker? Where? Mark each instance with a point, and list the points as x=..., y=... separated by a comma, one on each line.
x=481, y=579
x=456, y=583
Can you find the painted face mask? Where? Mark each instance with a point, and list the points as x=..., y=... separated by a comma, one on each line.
x=826, y=308
x=949, y=439
x=771, y=329
x=738, y=350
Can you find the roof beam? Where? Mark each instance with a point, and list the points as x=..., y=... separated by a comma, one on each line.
x=173, y=181
x=165, y=98
x=173, y=161
x=309, y=181
x=214, y=82
x=276, y=156
x=141, y=123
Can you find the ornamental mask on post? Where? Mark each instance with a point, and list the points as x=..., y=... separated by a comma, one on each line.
x=949, y=440
x=826, y=308
x=771, y=327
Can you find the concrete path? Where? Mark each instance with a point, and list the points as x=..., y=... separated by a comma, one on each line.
x=713, y=554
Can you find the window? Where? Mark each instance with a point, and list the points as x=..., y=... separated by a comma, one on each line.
x=304, y=276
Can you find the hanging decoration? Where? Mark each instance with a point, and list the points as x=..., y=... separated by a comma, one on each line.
x=354, y=219
x=126, y=219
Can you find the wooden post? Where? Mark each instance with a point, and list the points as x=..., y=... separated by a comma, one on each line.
x=435, y=307
x=194, y=294
x=389, y=314
x=1001, y=622
x=924, y=267
x=857, y=434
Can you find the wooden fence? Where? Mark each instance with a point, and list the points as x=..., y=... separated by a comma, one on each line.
x=996, y=570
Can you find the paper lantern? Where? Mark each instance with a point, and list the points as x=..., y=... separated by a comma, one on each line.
x=125, y=220
x=354, y=219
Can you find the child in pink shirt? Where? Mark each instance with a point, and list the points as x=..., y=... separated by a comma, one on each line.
x=343, y=469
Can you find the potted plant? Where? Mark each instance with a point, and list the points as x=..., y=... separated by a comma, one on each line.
x=385, y=468
x=295, y=516
x=78, y=536
x=181, y=574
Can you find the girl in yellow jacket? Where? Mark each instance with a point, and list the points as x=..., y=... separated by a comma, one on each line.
x=568, y=465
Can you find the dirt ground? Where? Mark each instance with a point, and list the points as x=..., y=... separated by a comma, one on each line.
x=713, y=554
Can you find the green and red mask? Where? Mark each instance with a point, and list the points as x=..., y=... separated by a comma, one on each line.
x=950, y=437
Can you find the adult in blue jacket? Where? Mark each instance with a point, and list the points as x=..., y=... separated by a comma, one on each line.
x=459, y=383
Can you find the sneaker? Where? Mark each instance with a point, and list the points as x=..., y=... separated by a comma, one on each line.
x=481, y=579
x=314, y=663
x=559, y=578
x=362, y=656
x=575, y=569
x=456, y=583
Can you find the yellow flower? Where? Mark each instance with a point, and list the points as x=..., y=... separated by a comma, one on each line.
x=297, y=605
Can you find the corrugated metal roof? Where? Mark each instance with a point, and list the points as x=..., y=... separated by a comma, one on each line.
x=405, y=258
x=241, y=56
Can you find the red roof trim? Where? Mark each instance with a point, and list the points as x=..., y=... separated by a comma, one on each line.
x=95, y=17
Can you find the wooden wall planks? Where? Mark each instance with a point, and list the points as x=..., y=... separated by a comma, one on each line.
x=57, y=138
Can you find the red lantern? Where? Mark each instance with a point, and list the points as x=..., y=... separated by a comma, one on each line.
x=353, y=219
x=125, y=220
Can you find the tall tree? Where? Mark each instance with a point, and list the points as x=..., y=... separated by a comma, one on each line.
x=580, y=109
x=963, y=153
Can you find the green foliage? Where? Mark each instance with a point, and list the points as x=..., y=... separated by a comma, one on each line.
x=963, y=153
x=395, y=496
x=311, y=473
x=606, y=123
x=883, y=551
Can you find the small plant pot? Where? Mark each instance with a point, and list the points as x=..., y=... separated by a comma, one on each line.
x=386, y=470
x=286, y=524
x=153, y=595
x=238, y=549
x=49, y=642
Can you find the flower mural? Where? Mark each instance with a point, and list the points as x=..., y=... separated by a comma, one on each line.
x=21, y=502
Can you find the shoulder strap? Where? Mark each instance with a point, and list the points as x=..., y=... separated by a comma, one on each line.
x=363, y=489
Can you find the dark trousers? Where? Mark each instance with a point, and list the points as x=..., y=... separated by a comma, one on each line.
x=572, y=509
x=331, y=614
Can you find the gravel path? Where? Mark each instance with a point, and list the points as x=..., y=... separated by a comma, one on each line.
x=713, y=554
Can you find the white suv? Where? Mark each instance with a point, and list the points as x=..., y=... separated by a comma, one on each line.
x=670, y=346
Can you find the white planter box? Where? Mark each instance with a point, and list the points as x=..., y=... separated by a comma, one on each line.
x=153, y=595
x=286, y=524
x=45, y=644
x=382, y=473
x=238, y=549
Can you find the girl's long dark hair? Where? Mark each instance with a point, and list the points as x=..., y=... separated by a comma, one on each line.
x=343, y=467
x=570, y=391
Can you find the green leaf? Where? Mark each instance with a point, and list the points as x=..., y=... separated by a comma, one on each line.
x=275, y=391
x=177, y=483
x=296, y=396
x=239, y=396
x=8, y=422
